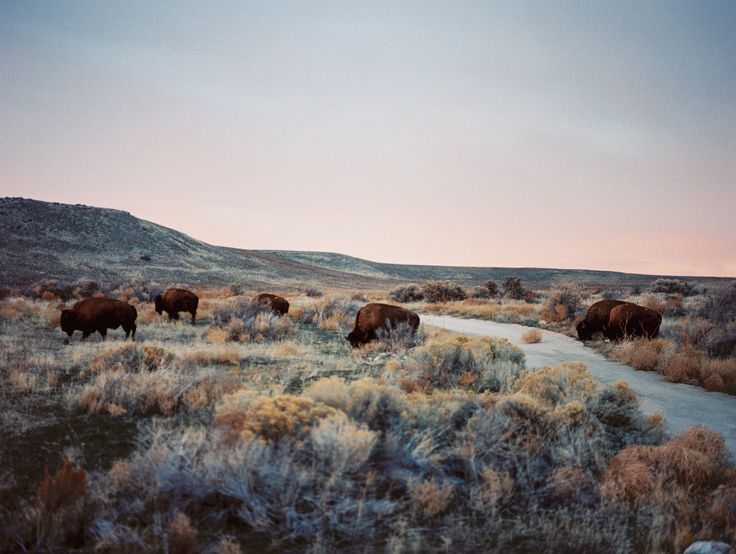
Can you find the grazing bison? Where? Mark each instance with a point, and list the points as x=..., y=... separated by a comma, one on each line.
x=174, y=301
x=99, y=314
x=373, y=316
x=276, y=303
x=631, y=320
x=596, y=320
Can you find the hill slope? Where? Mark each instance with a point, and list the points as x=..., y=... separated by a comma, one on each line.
x=62, y=241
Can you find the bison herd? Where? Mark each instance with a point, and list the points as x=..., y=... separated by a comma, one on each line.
x=100, y=314
x=615, y=319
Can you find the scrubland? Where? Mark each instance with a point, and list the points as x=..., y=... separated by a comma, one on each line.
x=697, y=343
x=252, y=432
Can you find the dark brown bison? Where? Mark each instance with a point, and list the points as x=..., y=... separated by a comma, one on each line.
x=631, y=320
x=276, y=303
x=374, y=316
x=596, y=320
x=174, y=301
x=99, y=314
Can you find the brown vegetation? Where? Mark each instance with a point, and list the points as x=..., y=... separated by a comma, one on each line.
x=293, y=440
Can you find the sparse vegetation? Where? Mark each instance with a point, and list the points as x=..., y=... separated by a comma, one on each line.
x=296, y=441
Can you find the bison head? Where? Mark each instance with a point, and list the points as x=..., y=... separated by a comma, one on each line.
x=159, y=302
x=584, y=330
x=355, y=338
x=68, y=322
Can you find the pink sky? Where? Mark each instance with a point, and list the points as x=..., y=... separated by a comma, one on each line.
x=520, y=135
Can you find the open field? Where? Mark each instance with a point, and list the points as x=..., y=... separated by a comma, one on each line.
x=249, y=431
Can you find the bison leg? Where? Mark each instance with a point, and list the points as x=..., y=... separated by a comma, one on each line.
x=194, y=316
x=103, y=332
x=85, y=334
x=133, y=328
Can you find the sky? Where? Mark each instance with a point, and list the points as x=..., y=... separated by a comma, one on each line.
x=598, y=135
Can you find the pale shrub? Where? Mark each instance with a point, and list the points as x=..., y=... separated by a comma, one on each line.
x=245, y=321
x=375, y=404
x=340, y=443
x=133, y=357
x=531, y=336
x=282, y=417
x=328, y=312
x=476, y=363
x=558, y=385
x=163, y=392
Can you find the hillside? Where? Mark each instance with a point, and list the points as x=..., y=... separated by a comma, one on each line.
x=44, y=240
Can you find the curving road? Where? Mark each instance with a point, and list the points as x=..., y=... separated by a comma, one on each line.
x=681, y=405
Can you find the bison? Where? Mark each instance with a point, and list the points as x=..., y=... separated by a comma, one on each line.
x=99, y=314
x=277, y=304
x=631, y=320
x=372, y=317
x=174, y=301
x=596, y=320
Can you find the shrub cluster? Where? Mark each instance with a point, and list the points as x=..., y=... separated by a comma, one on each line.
x=671, y=286
x=442, y=291
x=680, y=363
x=397, y=339
x=670, y=306
x=407, y=293
x=512, y=288
x=492, y=287
x=473, y=363
x=364, y=463
x=682, y=481
x=244, y=321
x=480, y=293
x=329, y=312
x=562, y=304
x=49, y=289
x=720, y=306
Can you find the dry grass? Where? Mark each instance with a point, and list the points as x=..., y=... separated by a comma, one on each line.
x=299, y=443
x=506, y=311
x=641, y=353
x=431, y=498
x=675, y=480
x=531, y=336
x=679, y=364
